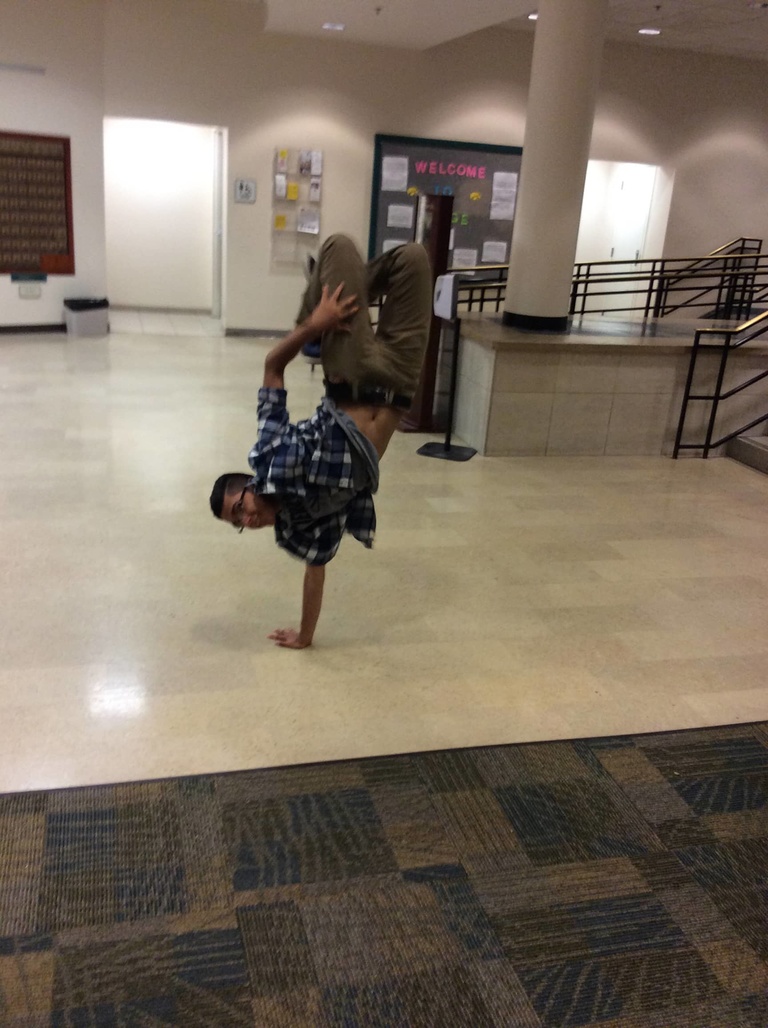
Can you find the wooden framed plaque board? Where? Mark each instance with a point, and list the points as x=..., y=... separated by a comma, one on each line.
x=35, y=205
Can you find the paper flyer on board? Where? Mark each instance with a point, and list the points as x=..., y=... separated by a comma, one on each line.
x=503, y=195
x=494, y=252
x=464, y=258
x=399, y=216
x=394, y=175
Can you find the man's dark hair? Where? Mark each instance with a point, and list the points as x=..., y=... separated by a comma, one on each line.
x=225, y=485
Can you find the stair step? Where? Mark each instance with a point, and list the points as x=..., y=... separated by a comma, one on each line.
x=751, y=450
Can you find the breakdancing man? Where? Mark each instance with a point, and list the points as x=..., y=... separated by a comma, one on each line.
x=314, y=480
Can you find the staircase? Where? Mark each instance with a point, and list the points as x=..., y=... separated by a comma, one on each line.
x=750, y=450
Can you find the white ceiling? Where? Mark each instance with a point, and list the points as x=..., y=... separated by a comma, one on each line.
x=732, y=27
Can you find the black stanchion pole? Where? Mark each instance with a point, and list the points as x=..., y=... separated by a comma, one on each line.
x=444, y=450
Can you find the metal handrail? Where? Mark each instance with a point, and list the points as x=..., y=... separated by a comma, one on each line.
x=736, y=246
x=754, y=328
x=742, y=241
x=736, y=279
x=481, y=287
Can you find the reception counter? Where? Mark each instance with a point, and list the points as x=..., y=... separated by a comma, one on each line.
x=604, y=388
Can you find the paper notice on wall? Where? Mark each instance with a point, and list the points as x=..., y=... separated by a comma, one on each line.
x=292, y=191
x=399, y=216
x=464, y=258
x=305, y=162
x=315, y=189
x=494, y=253
x=503, y=195
x=394, y=175
x=281, y=161
x=279, y=223
x=281, y=183
x=316, y=163
x=390, y=244
x=309, y=221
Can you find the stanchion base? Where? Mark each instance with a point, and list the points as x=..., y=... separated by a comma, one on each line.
x=446, y=453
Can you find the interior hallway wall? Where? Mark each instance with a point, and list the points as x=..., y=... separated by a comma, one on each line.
x=66, y=37
x=203, y=62
x=696, y=116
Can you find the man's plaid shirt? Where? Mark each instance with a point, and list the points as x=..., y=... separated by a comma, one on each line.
x=309, y=466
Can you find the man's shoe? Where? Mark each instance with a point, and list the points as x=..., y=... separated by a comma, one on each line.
x=311, y=352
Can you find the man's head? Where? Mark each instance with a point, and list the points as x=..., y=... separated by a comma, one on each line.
x=233, y=499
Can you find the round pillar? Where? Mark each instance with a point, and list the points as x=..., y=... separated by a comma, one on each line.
x=567, y=54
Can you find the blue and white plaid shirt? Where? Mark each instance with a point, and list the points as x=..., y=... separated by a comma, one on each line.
x=309, y=465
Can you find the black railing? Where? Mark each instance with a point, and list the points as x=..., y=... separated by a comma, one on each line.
x=483, y=288
x=730, y=282
x=732, y=339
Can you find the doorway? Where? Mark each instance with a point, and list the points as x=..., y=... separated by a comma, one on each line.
x=164, y=211
x=624, y=215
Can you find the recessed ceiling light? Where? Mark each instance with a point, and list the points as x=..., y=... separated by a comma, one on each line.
x=533, y=16
x=334, y=26
x=649, y=32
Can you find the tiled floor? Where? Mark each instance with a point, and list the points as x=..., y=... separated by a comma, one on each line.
x=506, y=599
x=161, y=323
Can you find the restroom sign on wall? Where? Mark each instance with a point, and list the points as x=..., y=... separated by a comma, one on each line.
x=245, y=190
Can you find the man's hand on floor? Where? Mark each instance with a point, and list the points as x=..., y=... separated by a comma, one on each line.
x=289, y=638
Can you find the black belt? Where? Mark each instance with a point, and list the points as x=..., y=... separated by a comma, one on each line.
x=377, y=396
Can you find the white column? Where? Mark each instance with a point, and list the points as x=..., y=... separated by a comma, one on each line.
x=558, y=127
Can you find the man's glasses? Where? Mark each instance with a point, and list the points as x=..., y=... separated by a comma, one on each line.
x=236, y=514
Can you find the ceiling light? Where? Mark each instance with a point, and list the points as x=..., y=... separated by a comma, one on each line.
x=334, y=26
x=649, y=32
x=533, y=16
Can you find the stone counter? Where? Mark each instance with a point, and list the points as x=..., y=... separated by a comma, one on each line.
x=605, y=387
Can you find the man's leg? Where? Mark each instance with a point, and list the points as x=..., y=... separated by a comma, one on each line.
x=392, y=356
x=403, y=276
x=343, y=353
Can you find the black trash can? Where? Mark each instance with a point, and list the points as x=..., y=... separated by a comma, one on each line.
x=86, y=317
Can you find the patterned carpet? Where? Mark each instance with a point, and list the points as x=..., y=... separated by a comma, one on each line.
x=618, y=882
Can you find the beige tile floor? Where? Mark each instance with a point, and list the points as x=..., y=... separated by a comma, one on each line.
x=506, y=599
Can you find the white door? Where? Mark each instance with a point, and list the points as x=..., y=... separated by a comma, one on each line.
x=615, y=215
x=163, y=185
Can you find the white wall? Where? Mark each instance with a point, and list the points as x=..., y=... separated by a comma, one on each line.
x=66, y=38
x=158, y=179
x=700, y=118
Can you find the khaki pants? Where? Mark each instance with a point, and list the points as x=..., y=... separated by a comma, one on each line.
x=390, y=357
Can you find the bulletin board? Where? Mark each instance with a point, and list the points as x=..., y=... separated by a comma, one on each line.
x=35, y=205
x=482, y=178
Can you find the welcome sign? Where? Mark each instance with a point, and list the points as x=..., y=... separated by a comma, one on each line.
x=482, y=178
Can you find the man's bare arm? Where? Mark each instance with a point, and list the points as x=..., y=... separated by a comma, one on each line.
x=312, y=602
x=331, y=315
